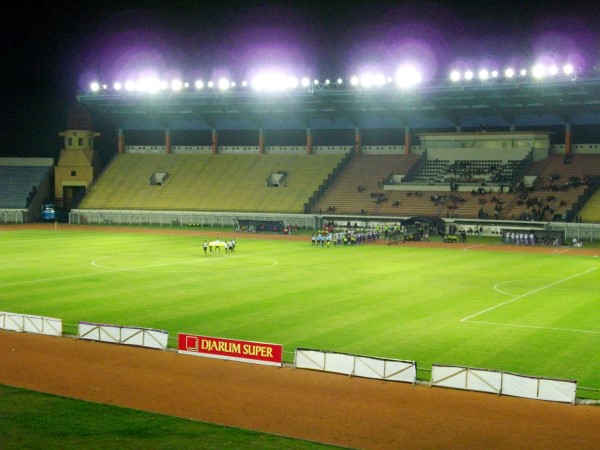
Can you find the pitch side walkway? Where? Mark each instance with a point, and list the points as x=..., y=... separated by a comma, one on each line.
x=304, y=404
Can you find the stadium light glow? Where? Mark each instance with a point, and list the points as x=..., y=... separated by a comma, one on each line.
x=366, y=80
x=292, y=82
x=223, y=84
x=408, y=76
x=150, y=85
x=275, y=82
x=538, y=71
x=176, y=85
x=258, y=83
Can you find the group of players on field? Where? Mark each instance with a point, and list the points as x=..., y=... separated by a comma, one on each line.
x=213, y=246
x=326, y=238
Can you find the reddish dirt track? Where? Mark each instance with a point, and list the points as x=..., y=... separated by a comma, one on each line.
x=352, y=412
x=330, y=408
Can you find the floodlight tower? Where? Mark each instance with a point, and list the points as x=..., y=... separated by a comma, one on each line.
x=78, y=163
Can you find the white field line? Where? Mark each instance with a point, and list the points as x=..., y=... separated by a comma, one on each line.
x=96, y=263
x=79, y=275
x=535, y=326
x=527, y=293
x=563, y=251
x=65, y=277
x=105, y=269
x=497, y=287
x=474, y=246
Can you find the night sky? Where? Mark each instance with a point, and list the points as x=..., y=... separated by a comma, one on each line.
x=52, y=49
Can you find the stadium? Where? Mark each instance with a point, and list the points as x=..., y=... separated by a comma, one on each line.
x=490, y=176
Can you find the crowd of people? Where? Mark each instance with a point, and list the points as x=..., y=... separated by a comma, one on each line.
x=555, y=182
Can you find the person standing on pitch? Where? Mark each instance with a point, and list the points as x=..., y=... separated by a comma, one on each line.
x=205, y=247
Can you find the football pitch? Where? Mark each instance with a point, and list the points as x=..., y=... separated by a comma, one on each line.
x=476, y=305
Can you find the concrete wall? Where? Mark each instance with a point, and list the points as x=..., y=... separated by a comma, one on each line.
x=501, y=154
x=582, y=149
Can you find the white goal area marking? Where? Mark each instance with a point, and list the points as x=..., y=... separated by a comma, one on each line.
x=519, y=297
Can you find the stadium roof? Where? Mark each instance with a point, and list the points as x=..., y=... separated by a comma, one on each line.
x=494, y=105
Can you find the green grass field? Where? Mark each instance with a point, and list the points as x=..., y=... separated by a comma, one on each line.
x=533, y=314
x=32, y=420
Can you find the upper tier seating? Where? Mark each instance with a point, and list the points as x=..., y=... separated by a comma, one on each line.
x=473, y=171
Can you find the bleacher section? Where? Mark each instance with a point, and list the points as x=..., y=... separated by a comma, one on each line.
x=352, y=192
x=557, y=188
x=468, y=171
x=209, y=182
x=591, y=211
x=432, y=171
x=19, y=183
x=238, y=183
x=360, y=188
x=443, y=204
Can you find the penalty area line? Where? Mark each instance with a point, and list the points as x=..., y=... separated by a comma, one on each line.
x=519, y=297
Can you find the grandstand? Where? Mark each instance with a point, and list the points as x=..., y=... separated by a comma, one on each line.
x=210, y=182
x=333, y=157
